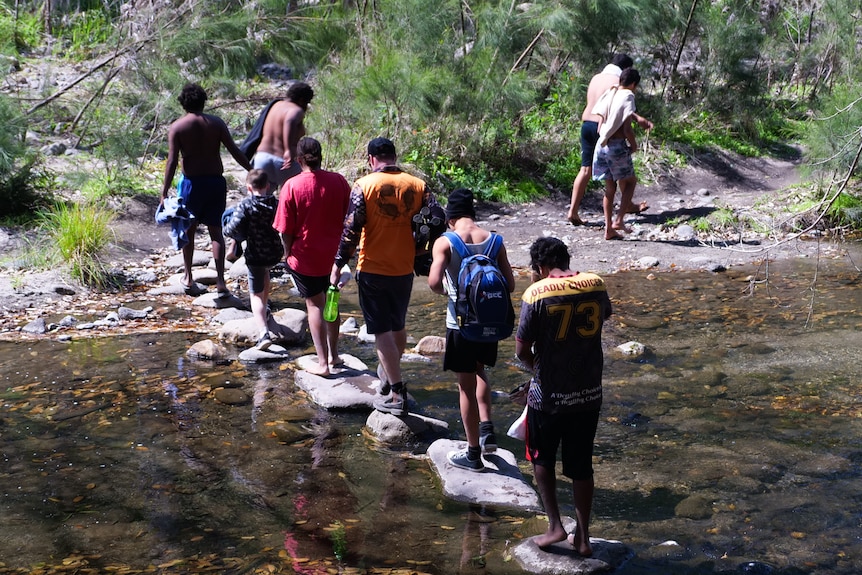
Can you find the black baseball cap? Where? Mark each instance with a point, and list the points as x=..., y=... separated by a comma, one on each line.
x=381, y=147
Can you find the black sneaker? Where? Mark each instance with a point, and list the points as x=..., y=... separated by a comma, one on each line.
x=385, y=386
x=391, y=405
x=488, y=442
x=263, y=342
x=460, y=459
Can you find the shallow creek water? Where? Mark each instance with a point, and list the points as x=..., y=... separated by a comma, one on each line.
x=738, y=436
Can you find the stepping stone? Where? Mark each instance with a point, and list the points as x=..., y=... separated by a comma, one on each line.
x=212, y=300
x=501, y=484
x=561, y=557
x=403, y=429
x=353, y=387
x=254, y=355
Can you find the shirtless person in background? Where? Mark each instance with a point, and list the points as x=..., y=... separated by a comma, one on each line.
x=282, y=130
x=196, y=139
x=599, y=84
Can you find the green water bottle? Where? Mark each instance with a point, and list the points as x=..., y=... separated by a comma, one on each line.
x=330, y=310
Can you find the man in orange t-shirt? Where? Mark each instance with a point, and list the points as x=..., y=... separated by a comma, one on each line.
x=380, y=223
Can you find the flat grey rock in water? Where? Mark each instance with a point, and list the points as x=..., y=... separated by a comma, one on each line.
x=254, y=355
x=500, y=485
x=351, y=387
x=561, y=559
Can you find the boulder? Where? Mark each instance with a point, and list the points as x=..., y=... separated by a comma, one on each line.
x=207, y=349
x=631, y=349
x=37, y=326
x=212, y=300
x=199, y=259
x=127, y=313
x=289, y=326
x=431, y=345
x=205, y=276
x=500, y=485
x=275, y=352
x=407, y=428
x=560, y=558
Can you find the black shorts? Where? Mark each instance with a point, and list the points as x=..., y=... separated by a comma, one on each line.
x=384, y=300
x=462, y=355
x=576, y=431
x=309, y=286
x=589, y=139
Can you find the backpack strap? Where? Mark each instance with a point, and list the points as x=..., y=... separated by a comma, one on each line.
x=458, y=244
x=493, y=247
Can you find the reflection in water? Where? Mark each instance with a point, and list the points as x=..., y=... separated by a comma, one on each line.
x=737, y=437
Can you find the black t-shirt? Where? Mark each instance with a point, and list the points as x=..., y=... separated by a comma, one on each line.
x=563, y=318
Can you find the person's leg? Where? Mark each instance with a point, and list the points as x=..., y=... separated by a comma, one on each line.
x=218, y=249
x=546, y=484
x=258, y=302
x=608, y=208
x=487, y=437
x=467, y=390
x=332, y=335
x=582, y=493
x=579, y=188
x=318, y=328
x=627, y=192
x=589, y=137
x=390, y=345
x=188, y=256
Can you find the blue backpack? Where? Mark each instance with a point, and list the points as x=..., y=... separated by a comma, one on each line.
x=483, y=307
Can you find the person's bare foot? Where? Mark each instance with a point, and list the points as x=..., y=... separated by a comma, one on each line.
x=550, y=537
x=575, y=220
x=336, y=362
x=318, y=370
x=622, y=228
x=582, y=548
x=612, y=235
x=637, y=209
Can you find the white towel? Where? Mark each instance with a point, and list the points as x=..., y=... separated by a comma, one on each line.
x=614, y=106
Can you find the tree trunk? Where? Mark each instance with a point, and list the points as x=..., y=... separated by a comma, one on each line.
x=678, y=57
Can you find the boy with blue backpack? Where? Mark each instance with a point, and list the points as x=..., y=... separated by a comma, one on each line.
x=470, y=266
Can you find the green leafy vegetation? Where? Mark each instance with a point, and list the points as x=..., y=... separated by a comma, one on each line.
x=77, y=234
x=24, y=185
x=484, y=94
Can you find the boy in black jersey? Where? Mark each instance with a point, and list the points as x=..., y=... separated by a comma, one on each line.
x=559, y=337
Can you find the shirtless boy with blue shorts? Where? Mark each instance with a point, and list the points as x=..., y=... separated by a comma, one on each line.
x=196, y=138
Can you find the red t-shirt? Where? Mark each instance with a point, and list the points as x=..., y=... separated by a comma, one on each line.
x=311, y=209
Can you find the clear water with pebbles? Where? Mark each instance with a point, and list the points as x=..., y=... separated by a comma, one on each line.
x=737, y=437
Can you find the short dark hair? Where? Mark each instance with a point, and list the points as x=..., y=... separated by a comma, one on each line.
x=629, y=77
x=549, y=252
x=192, y=98
x=310, y=151
x=257, y=179
x=299, y=92
x=381, y=148
x=623, y=61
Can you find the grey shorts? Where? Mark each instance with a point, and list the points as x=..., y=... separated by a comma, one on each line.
x=613, y=162
x=271, y=164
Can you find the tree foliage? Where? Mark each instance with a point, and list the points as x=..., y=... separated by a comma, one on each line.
x=480, y=84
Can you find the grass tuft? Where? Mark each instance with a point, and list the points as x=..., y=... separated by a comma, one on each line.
x=77, y=234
